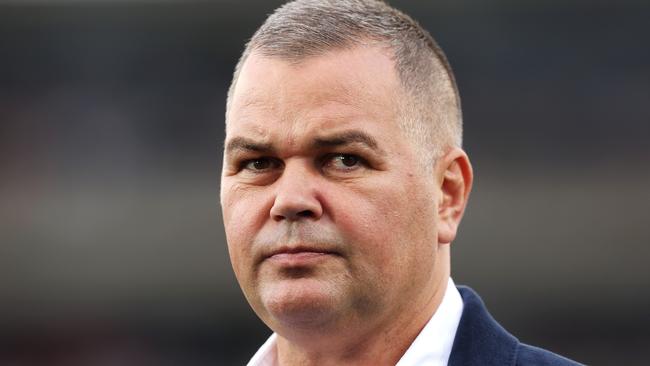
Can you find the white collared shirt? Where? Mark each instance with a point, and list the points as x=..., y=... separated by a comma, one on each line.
x=432, y=347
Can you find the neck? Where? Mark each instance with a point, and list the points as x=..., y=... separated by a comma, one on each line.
x=381, y=344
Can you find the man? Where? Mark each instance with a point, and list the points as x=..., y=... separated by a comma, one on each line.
x=343, y=185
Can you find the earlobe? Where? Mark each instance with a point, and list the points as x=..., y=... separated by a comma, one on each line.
x=455, y=179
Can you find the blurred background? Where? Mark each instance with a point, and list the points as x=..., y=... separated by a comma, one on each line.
x=111, y=125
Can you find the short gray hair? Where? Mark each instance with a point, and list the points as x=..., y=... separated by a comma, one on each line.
x=431, y=113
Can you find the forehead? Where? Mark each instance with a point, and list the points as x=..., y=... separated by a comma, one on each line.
x=357, y=84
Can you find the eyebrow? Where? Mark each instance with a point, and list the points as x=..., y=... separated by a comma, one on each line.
x=347, y=138
x=246, y=144
x=333, y=140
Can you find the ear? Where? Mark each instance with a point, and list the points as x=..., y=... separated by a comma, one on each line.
x=454, y=173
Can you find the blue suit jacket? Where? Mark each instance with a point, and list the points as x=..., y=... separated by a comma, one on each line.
x=481, y=341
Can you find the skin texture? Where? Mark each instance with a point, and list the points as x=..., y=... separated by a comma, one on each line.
x=338, y=235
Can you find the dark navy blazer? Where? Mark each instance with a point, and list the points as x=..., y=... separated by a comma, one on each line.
x=481, y=341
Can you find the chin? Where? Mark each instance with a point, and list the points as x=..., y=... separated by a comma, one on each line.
x=300, y=303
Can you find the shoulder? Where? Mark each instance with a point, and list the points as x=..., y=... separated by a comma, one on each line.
x=531, y=355
x=481, y=340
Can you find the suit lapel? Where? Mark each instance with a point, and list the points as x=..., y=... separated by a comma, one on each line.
x=480, y=340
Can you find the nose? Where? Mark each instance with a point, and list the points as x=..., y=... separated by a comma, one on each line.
x=296, y=195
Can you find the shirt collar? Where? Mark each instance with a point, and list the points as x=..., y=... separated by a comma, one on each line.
x=267, y=354
x=431, y=347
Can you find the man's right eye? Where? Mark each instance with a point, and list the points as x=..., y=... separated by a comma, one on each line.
x=259, y=164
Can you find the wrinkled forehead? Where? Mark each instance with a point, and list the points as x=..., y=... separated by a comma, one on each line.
x=357, y=80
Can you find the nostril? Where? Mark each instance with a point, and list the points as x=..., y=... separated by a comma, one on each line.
x=305, y=214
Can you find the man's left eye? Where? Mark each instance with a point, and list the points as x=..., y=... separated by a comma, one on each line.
x=343, y=161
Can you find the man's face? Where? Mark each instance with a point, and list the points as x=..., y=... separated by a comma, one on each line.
x=329, y=213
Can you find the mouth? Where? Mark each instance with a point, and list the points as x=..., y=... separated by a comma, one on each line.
x=299, y=256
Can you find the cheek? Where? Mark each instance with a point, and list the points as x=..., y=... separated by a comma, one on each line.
x=369, y=218
x=243, y=214
x=388, y=224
